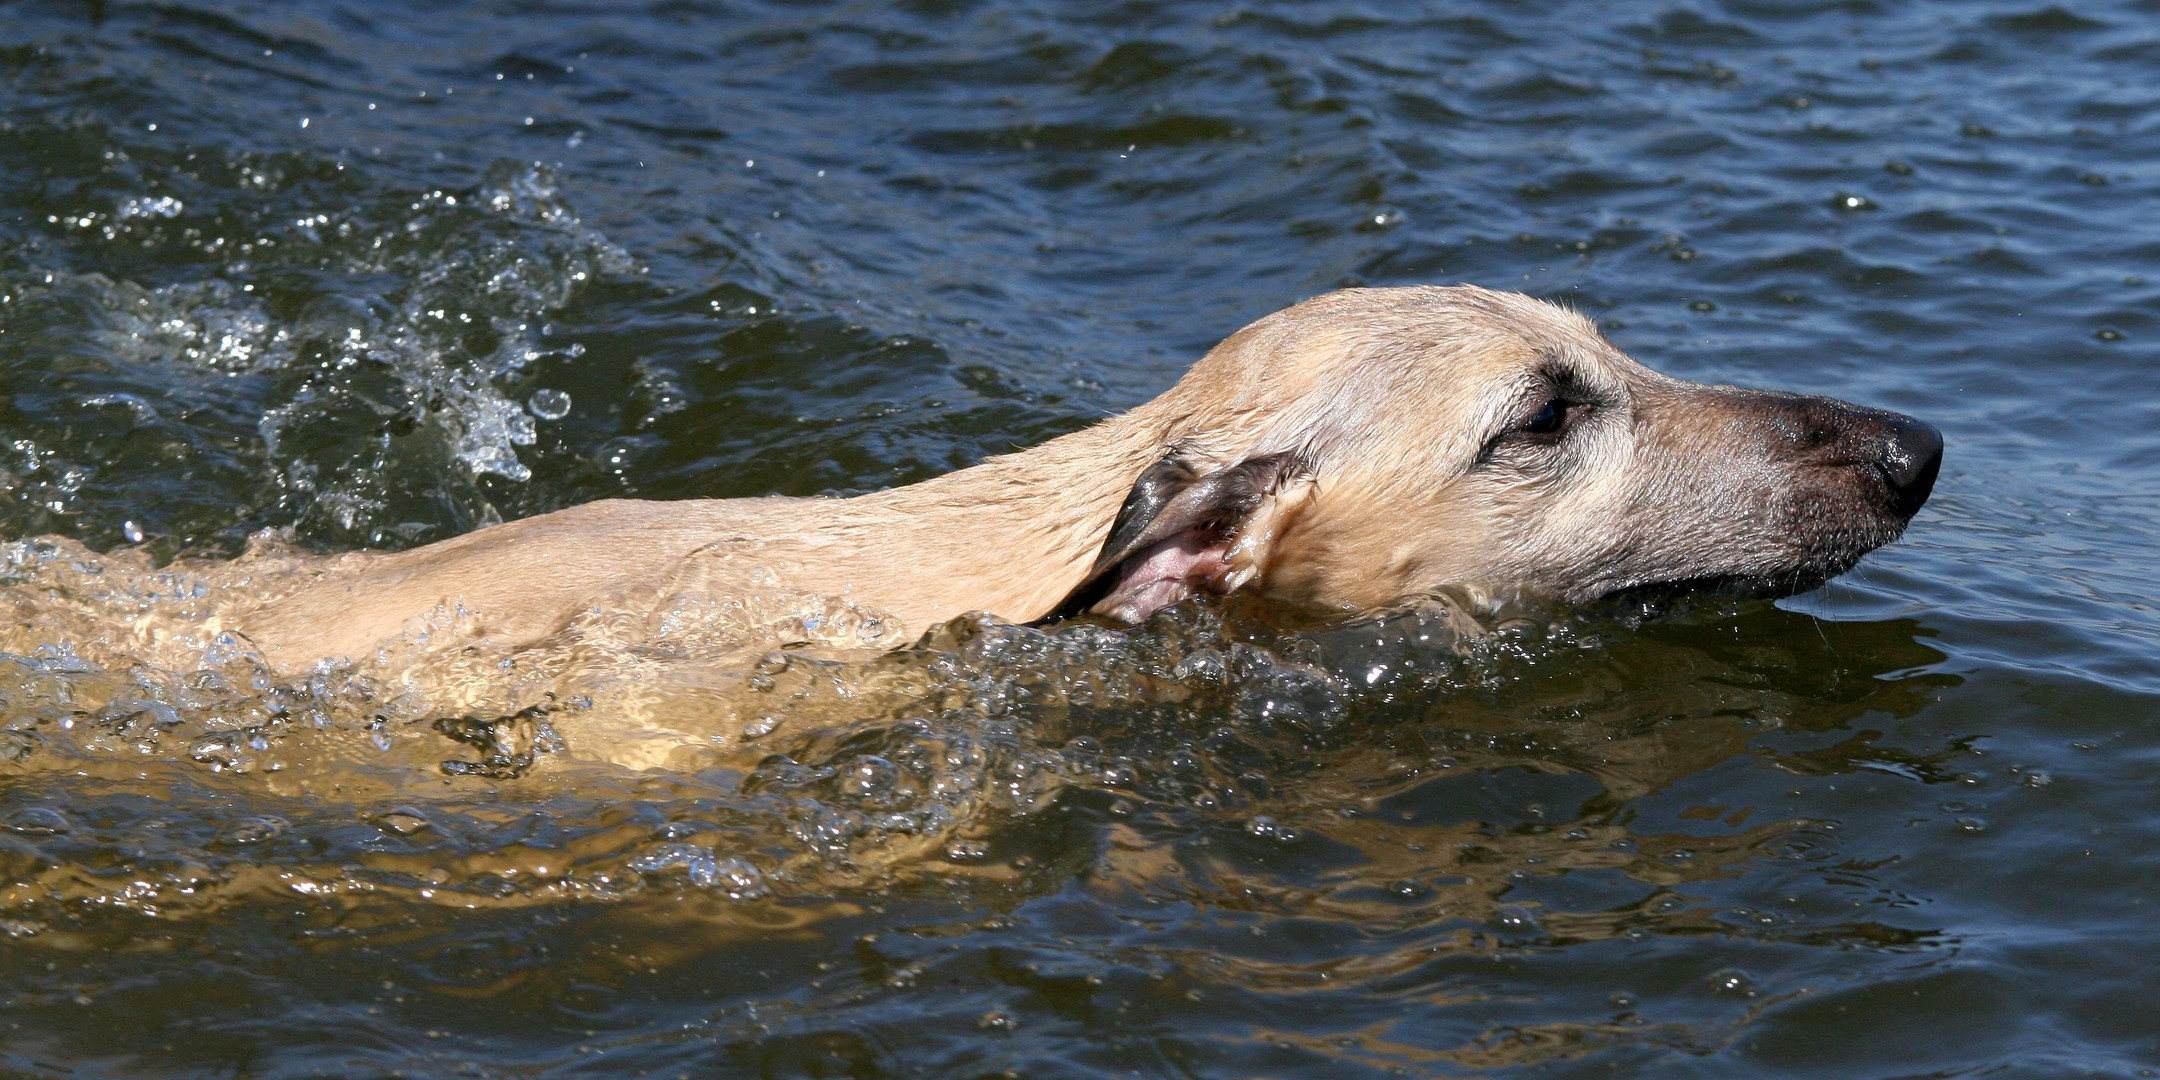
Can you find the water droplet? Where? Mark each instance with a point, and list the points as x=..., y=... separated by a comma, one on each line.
x=549, y=404
x=1733, y=981
x=132, y=530
x=149, y=206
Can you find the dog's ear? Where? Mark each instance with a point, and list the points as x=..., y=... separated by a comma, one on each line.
x=1182, y=530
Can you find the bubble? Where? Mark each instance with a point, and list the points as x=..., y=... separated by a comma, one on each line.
x=1514, y=920
x=1202, y=665
x=251, y=830
x=222, y=752
x=549, y=404
x=702, y=868
x=871, y=777
x=403, y=821
x=736, y=877
x=36, y=821
x=1294, y=697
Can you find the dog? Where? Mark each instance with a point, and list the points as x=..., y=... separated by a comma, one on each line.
x=1362, y=451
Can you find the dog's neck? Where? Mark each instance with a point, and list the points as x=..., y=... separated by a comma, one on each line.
x=1042, y=514
x=1014, y=536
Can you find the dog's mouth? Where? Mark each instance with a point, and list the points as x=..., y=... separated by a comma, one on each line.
x=1659, y=595
x=1822, y=564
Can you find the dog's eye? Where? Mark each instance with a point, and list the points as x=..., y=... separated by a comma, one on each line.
x=1549, y=419
x=1543, y=430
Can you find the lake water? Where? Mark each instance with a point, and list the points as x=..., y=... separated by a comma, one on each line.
x=382, y=273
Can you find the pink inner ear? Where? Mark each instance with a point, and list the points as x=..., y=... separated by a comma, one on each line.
x=1162, y=574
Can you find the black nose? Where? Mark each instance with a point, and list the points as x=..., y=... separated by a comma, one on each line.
x=1904, y=453
x=1911, y=456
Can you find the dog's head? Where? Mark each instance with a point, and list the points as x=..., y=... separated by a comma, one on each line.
x=1374, y=447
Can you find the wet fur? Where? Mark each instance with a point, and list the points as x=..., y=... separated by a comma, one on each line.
x=1390, y=424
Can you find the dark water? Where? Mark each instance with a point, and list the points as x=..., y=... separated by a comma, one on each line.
x=384, y=273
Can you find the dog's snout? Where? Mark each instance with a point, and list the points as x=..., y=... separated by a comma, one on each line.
x=1910, y=458
x=1899, y=452
x=1906, y=453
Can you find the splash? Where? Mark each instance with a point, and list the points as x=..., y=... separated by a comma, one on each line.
x=381, y=340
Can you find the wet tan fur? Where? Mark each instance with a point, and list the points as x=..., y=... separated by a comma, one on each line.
x=1387, y=395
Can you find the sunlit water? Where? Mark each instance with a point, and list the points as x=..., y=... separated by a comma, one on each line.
x=285, y=279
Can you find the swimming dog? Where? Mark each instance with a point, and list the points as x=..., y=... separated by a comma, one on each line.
x=1357, y=452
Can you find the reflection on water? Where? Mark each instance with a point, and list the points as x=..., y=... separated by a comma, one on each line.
x=283, y=281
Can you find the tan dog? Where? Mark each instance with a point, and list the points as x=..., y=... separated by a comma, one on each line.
x=1360, y=451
